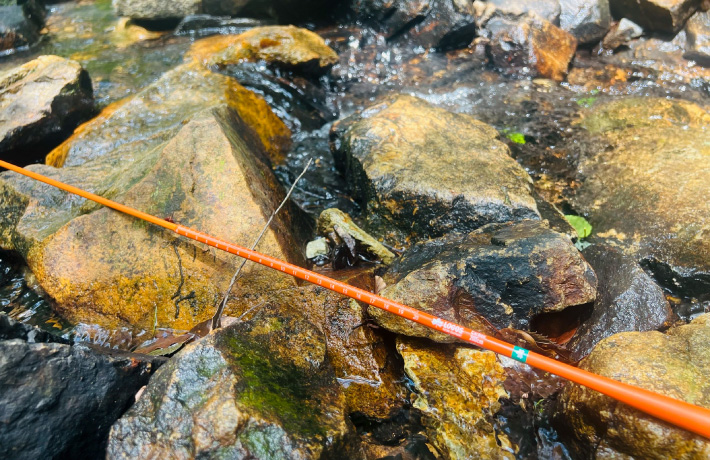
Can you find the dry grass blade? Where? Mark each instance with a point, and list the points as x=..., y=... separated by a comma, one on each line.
x=216, y=320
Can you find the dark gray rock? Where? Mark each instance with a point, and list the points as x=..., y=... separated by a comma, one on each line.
x=40, y=102
x=628, y=299
x=449, y=24
x=391, y=16
x=621, y=33
x=501, y=275
x=587, y=20
x=667, y=16
x=11, y=329
x=59, y=401
x=697, y=32
x=20, y=23
x=258, y=389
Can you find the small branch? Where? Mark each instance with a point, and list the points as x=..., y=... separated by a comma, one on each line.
x=216, y=319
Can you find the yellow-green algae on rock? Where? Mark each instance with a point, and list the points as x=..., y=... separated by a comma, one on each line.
x=457, y=390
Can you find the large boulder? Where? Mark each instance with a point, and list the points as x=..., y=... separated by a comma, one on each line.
x=20, y=23
x=155, y=114
x=426, y=171
x=105, y=267
x=256, y=389
x=678, y=366
x=41, y=102
x=524, y=43
x=643, y=186
x=628, y=299
x=666, y=16
x=499, y=276
x=59, y=400
x=287, y=46
x=457, y=390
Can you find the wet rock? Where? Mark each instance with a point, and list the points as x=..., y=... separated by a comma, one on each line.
x=330, y=218
x=587, y=21
x=501, y=275
x=679, y=367
x=630, y=189
x=20, y=23
x=525, y=44
x=286, y=46
x=666, y=16
x=449, y=24
x=102, y=267
x=427, y=171
x=158, y=112
x=697, y=32
x=283, y=11
x=203, y=25
x=363, y=367
x=40, y=102
x=126, y=33
x=59, y=401
x=157, y=9
x=457, y=390
x=391, y=16
x=628, y=299
x=546, y=9
x=620, y=34
x=261, y=389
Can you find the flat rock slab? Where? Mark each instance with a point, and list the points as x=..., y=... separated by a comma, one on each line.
x=666, y=16
x=104, y=267
x=647, y=187
x=676, y=364
x=40, y=102
x=628, y=299
x=258, y=389
x=499, y=276
x=457, y=390
x=59, y=401
x=426, y=171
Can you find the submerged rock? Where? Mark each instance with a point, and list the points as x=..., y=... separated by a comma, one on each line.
x=104, y=267
x=11, y=329
x=20, y=23
x=676, y=364
x=59, y=401
x=697, y=31
x=203, y=25
x=501, y=275
x=287, y=46
x=260, y=389
x=457, y=391
x=154, y=115
x=40, y=102
x=628, y=299
x=427, y=171
x=587, y=20
x=523, y=43
x=666, y=16
x=643, y=188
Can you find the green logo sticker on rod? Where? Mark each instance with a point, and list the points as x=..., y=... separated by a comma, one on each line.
x=520, y=354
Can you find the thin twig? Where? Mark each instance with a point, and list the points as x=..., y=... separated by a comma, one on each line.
x=216, y=319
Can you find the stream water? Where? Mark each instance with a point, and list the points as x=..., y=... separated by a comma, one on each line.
x=535, y=116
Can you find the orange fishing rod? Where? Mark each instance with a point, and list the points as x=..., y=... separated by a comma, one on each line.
x=679, y=413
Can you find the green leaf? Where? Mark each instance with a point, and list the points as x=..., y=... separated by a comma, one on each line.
x=518, y=138
x=584, y=228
